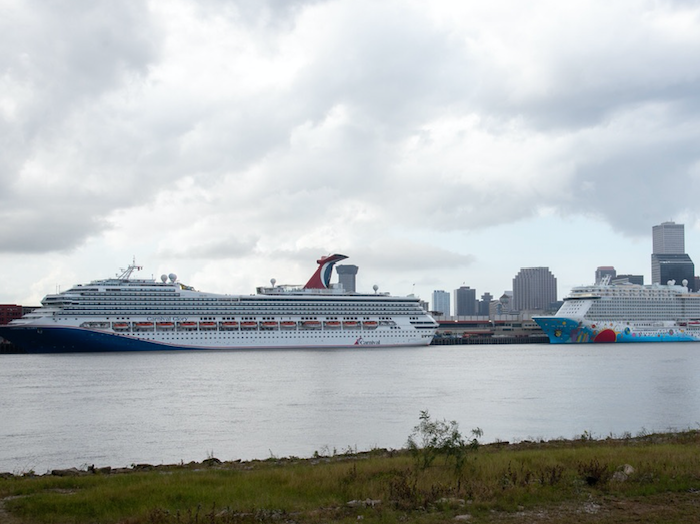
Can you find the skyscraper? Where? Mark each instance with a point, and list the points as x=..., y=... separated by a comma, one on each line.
x=485, y=304
x=668, y=239
x=465, y=301
x=441, y=302
x=534, y=288
x=669, y=261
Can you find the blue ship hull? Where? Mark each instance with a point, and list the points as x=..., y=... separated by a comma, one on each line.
x=74, y=340
x=562, y=330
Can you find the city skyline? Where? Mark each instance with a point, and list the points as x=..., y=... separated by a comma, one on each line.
x=668, y=240
x=365, y=285
x=434, y=144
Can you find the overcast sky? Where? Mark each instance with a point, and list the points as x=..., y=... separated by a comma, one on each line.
x=437, y=144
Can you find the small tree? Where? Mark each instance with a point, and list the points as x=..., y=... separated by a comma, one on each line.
x=431, y=438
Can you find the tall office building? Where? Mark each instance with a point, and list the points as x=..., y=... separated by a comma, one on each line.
x=669, y=261
x=668, y=239
x=504, y=305
x=441, y=302
x=534, y=288
x=346, y=276
x=672, y=268
x=485, y=304
x=465, y=301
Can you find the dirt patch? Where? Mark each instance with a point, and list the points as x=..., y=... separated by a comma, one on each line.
x=662, y=508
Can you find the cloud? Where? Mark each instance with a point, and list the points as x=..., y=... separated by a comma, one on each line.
x=58, y=64
x=259, y=130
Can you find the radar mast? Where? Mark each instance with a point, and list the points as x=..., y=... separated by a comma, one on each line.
x=126, y=273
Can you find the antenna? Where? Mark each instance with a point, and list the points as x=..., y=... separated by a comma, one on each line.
x=126, y=273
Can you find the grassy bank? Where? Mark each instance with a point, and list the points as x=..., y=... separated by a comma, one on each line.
x=649, y=478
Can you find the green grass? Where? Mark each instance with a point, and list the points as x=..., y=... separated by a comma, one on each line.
x=567, y=481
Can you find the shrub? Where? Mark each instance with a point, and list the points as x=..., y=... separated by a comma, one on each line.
x=433, y=438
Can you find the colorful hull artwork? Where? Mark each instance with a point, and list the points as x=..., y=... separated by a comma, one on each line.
x=569, y=331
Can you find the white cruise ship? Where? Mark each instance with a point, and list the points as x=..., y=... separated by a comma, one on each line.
x=129, y=314
x=625, y=313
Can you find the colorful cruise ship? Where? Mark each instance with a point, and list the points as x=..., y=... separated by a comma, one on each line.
x=625, y=313
x=129, y=314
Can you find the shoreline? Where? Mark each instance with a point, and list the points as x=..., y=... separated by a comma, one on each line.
x=647, y=478
x=240, y=464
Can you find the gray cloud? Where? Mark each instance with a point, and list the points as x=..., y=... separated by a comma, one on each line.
x=41, y=230
x=295, y=116
x=210, y=249
x=57, y=63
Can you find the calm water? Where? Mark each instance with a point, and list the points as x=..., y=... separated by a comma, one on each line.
x=163, y=407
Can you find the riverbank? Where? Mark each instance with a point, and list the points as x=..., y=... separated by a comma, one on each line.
x=647, y=478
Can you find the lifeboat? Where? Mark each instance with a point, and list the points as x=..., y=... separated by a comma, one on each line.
x=370, y=324
x=249, y=325
x=120, y=326
x=207, y=325
x=95, y=325
x=228, y=325
x=143, y=325
x=311, y=324
x=288, y=324
x=332, y=324
x=165, y=325
x=268, y=325
x=187, y=325
x=351, y=324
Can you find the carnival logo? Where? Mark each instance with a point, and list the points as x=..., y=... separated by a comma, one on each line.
x=361, y=342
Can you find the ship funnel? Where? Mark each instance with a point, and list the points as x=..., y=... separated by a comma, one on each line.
x=321, y=279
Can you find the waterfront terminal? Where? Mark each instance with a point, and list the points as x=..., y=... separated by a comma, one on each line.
x=482, y=330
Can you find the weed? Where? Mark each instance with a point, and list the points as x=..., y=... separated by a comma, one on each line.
x=586, y=436
x=593, y=472
x=431, y=438
x=402, y=489
x=551, y=475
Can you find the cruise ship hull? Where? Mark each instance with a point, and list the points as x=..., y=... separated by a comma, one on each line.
x=73, y=340
x=563, y=330
x=49, y=339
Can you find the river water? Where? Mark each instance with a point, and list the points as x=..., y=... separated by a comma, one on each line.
x=119, y=409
